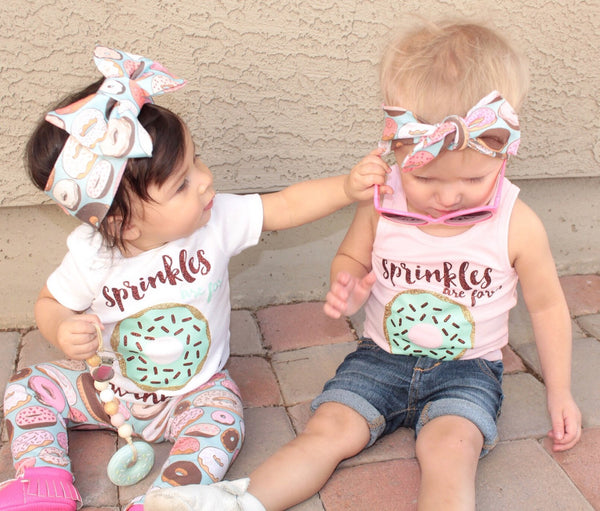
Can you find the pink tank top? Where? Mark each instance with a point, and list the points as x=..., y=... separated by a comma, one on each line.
x=442, y=297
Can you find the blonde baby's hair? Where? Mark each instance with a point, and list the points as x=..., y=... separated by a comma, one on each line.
x=441, y=69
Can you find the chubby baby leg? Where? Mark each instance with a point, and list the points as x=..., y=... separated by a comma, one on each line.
x=302, y=467
x=448, y=449
x=207, y=430
x=293, y=474
x=40, y=402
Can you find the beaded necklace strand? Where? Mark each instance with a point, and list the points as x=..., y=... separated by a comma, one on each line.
x=132, y=462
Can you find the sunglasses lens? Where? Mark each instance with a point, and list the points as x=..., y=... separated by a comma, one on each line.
x=403, y=219
x=469, y=218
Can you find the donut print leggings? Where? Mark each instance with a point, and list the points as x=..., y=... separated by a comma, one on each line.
x=206, y=426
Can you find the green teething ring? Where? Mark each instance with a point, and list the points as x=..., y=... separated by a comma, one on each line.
x=119, y=471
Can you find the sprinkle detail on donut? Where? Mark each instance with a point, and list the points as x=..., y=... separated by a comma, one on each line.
x=35, y=417
x=29, y=441
x=418, y=159
x=54, y=456
x=418, y=322
x=162, y=347
x=185, y=445
x=214, y=462
x=185, y=419
x=15, y=396
x=220, y=398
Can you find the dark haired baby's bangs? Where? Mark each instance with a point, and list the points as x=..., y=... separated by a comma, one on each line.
x=167, y=132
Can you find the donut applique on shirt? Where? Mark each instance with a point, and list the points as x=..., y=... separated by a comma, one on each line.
x=162, y=347
x=422, y=323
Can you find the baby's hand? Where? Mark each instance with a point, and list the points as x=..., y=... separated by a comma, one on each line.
x=566, y=423
x=369, y=171
x=348, y=294
x=77, y=337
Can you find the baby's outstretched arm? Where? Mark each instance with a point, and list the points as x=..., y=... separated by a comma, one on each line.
x=74, y=333
x=307, y=201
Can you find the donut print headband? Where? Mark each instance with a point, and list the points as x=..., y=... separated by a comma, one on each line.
x=491, y=127
x=104, y=133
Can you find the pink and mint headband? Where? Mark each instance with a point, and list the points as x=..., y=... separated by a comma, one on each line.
x=104, y=133
x=491, y=127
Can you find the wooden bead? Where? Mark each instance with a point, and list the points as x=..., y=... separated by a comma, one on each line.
x=94, y=361
x=102, y=376
x=107, y=395
x=125, y=431
x=111, y=408
x=118, y=419
x=101, y=385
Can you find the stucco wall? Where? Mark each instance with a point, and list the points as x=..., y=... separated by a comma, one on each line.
x=282, y=90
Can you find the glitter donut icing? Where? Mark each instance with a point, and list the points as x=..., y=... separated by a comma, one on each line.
x=162, y=347
x=420, y=323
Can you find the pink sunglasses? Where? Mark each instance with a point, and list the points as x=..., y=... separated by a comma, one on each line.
x=463, y=217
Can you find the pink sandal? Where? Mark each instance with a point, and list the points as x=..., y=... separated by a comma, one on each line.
x=134, y=506
x=40, y=489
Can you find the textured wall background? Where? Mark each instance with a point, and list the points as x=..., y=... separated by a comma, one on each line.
x=284, y=90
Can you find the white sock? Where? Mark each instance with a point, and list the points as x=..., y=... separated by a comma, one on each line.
x=222, y=496
x=250, y=503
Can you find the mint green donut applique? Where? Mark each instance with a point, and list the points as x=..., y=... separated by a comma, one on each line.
x=418, y=323
x=162, y=347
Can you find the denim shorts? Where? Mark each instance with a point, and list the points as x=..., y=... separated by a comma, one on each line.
x=392, y=391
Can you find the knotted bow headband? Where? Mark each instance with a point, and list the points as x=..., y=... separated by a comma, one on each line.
x=104, y=133
x=491, y=127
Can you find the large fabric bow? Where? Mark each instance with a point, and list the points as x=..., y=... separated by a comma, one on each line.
x=105, y=132
x=491, y=127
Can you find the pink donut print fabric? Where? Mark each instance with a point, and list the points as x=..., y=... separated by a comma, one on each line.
x=206, y=426
x=491, y=127
x=105, y=132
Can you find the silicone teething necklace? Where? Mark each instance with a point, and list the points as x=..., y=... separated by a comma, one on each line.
x=132, y=462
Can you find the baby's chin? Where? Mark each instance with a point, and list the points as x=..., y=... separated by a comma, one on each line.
x=205, y=217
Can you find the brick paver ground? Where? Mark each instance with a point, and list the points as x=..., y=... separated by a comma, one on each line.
x=282, y=355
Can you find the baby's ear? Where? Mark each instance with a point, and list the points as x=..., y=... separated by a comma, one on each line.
x=114, y=227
